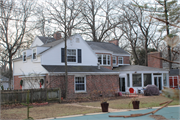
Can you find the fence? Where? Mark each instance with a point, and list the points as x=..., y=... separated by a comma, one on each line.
x=35, y=95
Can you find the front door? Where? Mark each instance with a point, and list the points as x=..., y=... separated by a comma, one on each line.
x=157, y=82
x=122, y=84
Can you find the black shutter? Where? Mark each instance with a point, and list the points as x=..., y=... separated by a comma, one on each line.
x=79, y=56
x=62, y=55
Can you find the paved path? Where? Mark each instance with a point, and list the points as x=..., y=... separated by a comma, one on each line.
x=109, y=109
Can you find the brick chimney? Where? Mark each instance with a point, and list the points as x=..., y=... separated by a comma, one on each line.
x=153, y=61
x=114, y=41
x=57, y=35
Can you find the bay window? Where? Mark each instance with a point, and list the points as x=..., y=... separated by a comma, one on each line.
x=120, y=60
x=114, y=60
x=104, y=59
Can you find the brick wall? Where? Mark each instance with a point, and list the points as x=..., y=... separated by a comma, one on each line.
x=116, y=42
x=17, y=82
x=154, y=62
x=106, y=85
x=126, y=59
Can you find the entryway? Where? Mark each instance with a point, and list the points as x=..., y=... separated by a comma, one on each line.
x=122, y=84
x=157, y=81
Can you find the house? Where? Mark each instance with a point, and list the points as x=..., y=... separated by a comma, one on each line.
x=174, y=78
x=4, y=81
x=43, y=65
x=138, y=77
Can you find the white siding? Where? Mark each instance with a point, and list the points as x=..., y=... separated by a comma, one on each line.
x=37, y=42
x=25, y=68
x=53, y=56
x=41, y=49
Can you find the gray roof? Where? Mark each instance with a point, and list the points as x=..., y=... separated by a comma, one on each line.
x=174, y=72
x=106, y=46
x=55, y=68
x=46, y=40
x=137, y=68
x=54, y=43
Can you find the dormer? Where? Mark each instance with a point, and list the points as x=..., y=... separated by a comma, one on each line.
x=25, y=54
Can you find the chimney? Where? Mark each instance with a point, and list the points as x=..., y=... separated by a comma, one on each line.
x=153, y=60
x=98, y=65
x=57, y=35
x=114, y=41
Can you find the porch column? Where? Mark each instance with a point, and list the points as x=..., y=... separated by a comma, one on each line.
x=130, y=78
x=152, y=78
x=162, y=80
x=142, y=79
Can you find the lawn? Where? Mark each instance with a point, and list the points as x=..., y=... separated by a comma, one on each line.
x=48, y=111
x=145, y=102
x=56, y=110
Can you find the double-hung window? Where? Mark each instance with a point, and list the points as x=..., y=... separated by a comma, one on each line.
x=99, y=59
x=120, y=60
x=24, y=56
x=114, y=60
x=71, y=55
x=34, y=54
x=104, y=59
x=80, y=84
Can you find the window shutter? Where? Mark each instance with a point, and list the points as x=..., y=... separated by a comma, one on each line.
x=62, y=55
x=79, y=56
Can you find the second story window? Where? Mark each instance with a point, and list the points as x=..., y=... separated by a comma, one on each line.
x=120, y=60
x=24, y=56
x=114, y=60
x=71, y=55
x=104, y=59
x=34, y=54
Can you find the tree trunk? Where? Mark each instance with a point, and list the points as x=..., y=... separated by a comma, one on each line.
x=10, y=70
x=167, y=30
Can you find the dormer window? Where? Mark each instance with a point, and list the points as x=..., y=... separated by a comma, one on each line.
x=24, y=56
x=34, y=54
x=104, y=59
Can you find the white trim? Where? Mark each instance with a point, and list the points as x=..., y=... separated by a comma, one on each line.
x=121, y=59
x=33, y=53
x=81, y=91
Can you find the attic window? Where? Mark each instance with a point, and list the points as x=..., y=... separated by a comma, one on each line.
x=34, y=54
x=24, y=56
x=77, y=40
x=71, y=55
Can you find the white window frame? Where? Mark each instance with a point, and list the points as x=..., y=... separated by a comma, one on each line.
x=24, y=56
x=79, y=91
x=72, y=55
x=34, y=51
x=120, y=58
x=102, y=59
x=114, y=58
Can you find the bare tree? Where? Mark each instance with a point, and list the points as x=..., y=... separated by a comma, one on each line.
x=138, y=30
x=100, y=18
x=14, y=17
x=66, y=15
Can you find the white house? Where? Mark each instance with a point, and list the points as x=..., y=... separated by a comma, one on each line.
x=44, y=64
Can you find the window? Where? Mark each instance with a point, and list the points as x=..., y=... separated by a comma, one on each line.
x=34, y=54
x=71, y=55
x=147, y=79
x=104, y=59
x=128, y=81
x=24, y=56
x=114, y=60
x=120, y=60
x=137, y=80
x=80, y=84
x=99, y=59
